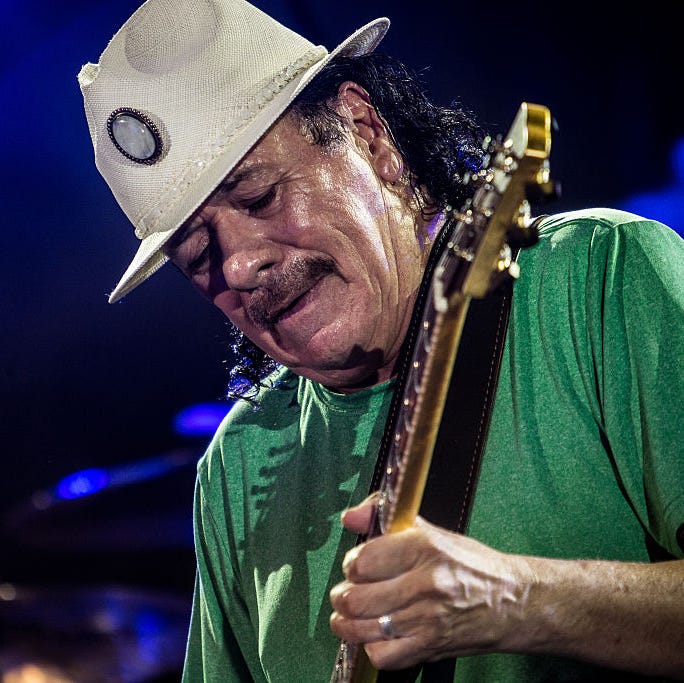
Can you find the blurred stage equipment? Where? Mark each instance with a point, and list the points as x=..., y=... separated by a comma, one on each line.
x=91, y=635
x=143, y=505
x=84, y=541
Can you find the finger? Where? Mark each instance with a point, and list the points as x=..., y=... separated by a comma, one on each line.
x=394, y=653
x=391, y=655
x=412, y=624
x=362, y=630
x=422, y=632
x=372, y=600
x=384, y=557
x=358, y=518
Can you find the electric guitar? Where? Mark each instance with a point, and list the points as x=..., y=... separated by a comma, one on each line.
x=475, y=257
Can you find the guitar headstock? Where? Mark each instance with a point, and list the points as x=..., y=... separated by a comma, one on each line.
x=515, y=169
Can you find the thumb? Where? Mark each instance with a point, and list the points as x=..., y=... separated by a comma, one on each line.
x=358, y=518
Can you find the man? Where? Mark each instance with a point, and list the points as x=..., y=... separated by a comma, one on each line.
x=306, y=214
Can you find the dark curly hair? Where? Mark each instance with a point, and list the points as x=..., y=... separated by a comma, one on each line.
x=440, y=146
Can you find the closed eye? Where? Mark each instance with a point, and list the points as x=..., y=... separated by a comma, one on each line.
x=261, y=202
x=199, y=262
x=194, y=253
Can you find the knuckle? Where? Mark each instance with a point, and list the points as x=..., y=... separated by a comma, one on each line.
x=339, y=625
x=335, y=623
x=349, y=603
x=357, y=566
x=443, y=583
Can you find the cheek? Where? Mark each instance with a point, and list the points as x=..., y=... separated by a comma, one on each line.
x=357, y=237
x=229, y=304
x=340, y=204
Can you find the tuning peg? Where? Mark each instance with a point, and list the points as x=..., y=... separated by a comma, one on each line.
x=543, y=188
x=522, y=236
x=507, y=270
x=522, y=233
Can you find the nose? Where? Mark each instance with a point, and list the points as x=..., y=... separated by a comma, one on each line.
x=248, y=267
x=246, y=254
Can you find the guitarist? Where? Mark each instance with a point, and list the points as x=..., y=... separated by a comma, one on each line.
x=306, y=215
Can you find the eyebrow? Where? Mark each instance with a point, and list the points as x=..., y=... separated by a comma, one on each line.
x=232, y=180
x=176, y=240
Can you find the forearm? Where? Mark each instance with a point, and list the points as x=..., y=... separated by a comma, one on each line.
x=621, y=615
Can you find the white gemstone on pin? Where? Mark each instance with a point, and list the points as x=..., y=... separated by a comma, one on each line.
x=134, y=135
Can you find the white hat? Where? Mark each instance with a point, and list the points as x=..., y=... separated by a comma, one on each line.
x=181, y=93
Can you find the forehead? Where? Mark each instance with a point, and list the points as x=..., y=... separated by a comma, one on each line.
x=274, y=146
x=285, y=145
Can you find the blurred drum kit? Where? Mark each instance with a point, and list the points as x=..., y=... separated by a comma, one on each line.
x=96, y=574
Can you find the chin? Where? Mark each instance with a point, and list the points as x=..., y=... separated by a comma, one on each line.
x=352, y=370
x=337, y=353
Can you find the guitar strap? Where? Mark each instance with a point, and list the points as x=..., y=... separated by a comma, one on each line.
x=452, y=477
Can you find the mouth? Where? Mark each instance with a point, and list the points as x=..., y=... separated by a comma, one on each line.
x=294, y=305
x=268, y=316
x=288, y=292
x=298, y=303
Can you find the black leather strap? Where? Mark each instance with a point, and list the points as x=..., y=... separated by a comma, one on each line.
x=460, y=441
x=461, y=438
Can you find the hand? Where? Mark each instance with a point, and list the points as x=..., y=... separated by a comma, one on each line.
x=447, y=594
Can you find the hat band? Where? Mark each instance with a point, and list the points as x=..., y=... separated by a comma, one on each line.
x=149, y=222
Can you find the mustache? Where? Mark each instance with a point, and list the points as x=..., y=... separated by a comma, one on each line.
x=272, y=299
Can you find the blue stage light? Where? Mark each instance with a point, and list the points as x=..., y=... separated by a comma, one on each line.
x=201, y=419
x=89, y=481
x=82, y=483
x=664, y=204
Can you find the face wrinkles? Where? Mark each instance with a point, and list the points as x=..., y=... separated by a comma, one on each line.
x=244, y=185
x=308, y=254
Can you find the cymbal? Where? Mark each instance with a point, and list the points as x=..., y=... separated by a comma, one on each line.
x=108, y=634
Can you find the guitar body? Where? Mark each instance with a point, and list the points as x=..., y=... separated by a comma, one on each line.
x=473, y=256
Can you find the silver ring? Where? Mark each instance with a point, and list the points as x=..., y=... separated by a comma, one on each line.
x=386, y=628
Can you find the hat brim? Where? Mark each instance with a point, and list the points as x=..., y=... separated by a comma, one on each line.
x=150, y=257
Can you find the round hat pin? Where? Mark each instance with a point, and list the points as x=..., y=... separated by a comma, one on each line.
x=135, y=135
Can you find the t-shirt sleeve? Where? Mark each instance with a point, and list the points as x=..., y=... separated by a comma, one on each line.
x=220, y=640
x=635, y=293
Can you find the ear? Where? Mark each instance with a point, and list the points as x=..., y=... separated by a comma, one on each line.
x=369, y=131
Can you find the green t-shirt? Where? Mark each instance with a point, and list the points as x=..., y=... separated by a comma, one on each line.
x=583, y=455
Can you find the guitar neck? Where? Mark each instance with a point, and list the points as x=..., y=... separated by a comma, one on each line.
x=472, y=256
x=407, y=463
x=413, y=432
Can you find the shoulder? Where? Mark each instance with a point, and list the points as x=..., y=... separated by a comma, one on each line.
x=249, y=423
x=607, y=224
x=605, y=238
x=279, y=391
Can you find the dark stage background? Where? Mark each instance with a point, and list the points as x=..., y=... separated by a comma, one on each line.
x=92, y=394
